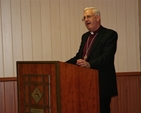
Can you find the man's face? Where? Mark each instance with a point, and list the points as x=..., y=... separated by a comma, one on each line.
x=91, y=21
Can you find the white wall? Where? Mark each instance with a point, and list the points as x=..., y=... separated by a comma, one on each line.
x=45, y=30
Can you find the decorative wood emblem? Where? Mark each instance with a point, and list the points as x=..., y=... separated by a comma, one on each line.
x=37, y=95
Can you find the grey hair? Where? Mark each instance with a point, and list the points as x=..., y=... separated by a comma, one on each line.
x=95, y=10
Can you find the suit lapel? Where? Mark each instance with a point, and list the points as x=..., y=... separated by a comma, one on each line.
x=97, y=40
x=83, y=43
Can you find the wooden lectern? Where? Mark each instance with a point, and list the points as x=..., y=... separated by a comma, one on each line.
x=56, y=87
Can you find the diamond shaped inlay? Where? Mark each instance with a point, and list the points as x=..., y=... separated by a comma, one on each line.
x=36, y=94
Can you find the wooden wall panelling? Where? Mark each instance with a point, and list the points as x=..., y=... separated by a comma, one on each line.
x=55, y=30
x=46, y=31
x=131, y=51
x=129, y=97
x=1, y=48
x=26, y=30
x=36, y=29
x=128, y=100
x=74, y=19
x=8, y=96
x=2, y=98
x=139, y=29
x=64, y=18
x=6, y=38
x=16, y=33
x=121, y=63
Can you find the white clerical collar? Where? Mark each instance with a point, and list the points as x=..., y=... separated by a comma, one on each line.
x=92, y=33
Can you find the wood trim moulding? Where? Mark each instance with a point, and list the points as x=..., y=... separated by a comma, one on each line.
x=128, y=74
x=6, y=79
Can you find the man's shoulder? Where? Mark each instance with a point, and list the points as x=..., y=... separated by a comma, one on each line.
x=86, y=34
x=108, y=30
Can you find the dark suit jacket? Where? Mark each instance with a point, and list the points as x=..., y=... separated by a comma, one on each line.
x=101, y=58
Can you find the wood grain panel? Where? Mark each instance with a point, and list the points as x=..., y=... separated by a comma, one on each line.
x=67, y=95
x=139, y=25
x=26, y=30
x=129, y=97
x=46, y=31
x=2, y=98
x=121, y=62
x=36, y=29
x=8, y=95
x=42, y=69
x=16, y=32
x=128, y=100
x=130, y=34
x=7, y=38
x=74, y=19
x=55, y=29
x=1, y=48
x=79, y=89
x=64, y=18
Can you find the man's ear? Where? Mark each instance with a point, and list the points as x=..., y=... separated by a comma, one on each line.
x=98, y=18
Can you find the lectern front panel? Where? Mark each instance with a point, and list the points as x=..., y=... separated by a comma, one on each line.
x=37, y=87
x=56, y=87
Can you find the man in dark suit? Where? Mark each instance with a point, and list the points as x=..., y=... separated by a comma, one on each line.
x=96, y=51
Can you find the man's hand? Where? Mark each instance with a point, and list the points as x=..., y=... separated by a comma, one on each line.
x=83, y=63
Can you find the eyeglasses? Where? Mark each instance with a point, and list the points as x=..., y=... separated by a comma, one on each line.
x=87, y=17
